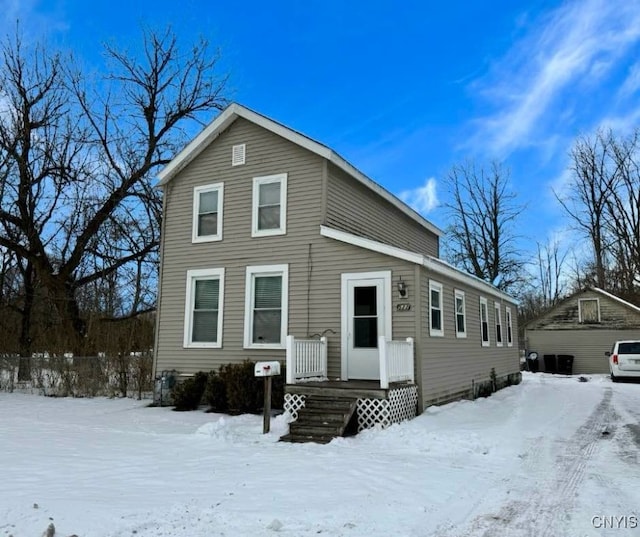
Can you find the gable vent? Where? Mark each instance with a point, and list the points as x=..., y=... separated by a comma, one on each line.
x=237, y=154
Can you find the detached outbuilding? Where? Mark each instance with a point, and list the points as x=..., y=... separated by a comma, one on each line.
x=585, y=326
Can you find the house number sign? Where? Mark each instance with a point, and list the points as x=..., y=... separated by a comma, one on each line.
x=403, y=307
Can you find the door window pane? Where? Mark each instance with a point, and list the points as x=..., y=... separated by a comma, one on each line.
x=365, y=330
x=365, y=318
x=365, y=301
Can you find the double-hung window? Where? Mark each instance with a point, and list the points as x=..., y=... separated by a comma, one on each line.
x=207, y=213
x=509, y=327
x=498, y=324
x=435, y=309
x=484, y=322
x=461, y=314
x=266, y=306
x=204, y=306
x=269, y=207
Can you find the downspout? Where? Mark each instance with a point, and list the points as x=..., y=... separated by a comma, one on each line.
x=165, y=195
x=419, y=340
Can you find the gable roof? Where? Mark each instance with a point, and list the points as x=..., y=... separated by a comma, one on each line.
x=235, y=111
x=569, y=299
x=432, y=263
x=616, y=298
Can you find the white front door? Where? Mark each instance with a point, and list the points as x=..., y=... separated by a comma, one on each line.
x=366, y=305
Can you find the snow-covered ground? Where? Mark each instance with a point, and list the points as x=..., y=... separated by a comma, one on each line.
x=530, y=460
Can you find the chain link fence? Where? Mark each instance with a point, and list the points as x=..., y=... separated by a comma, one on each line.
x=81, y=376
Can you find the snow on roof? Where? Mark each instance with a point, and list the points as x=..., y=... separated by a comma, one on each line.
x=616, y=298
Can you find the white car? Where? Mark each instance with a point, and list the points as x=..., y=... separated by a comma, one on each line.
x=624, y=359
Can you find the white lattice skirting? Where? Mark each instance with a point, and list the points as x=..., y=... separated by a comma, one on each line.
x=292, y=403
x=401, y=405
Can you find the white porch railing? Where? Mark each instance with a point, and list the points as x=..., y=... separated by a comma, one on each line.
x=306, y=358
x=396, y=361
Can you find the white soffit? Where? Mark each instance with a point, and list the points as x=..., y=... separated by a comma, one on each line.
x=432, y=263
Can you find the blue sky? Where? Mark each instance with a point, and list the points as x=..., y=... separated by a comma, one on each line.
x=404, y=90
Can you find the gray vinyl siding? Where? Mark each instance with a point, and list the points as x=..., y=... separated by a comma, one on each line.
x=451, y=365
x=266, y=154
x=586, y=346
x=353, y=208
x=330, y=259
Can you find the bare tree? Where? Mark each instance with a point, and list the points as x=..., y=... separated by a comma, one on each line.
x=483, y=214
x=76, y=164
x=594, y=176
x=550, y=266
x=603, y=202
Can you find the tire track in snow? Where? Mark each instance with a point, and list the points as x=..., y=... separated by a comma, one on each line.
x=547, y=513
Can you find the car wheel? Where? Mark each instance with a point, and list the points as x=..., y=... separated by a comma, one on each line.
x=614, y=378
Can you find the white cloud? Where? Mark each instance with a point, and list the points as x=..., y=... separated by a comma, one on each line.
x=35, y=18
x=423, y=199
x=574, y=46
x=632, y=83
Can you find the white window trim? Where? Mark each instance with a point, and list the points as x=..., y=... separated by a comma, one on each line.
x=483, y=302
x=257, y=181
x=192, y=276
x=457, y=294
x=265, y=270
x=195, y=238
x=581, y=300
x=498, y=312
x=509, y=327
x=436, y=286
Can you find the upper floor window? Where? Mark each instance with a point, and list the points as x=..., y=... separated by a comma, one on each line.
x=589, y=310
x=498, y=324
x=484, y=322
x=461, y=314
x=203, y=308
x=269, y=207
x=207, y=213
x=266, y=306
x=435, y=309
x=509, y=327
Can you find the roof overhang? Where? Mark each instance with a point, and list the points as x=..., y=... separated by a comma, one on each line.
x=431, y=263
x=235, y=111
x=617, y=299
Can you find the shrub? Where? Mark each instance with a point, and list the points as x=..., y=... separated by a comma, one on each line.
x=215, y=393
x=235, y=389
x=188, y=393
x=244, y=391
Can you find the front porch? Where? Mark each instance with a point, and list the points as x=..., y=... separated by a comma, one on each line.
x=391, y=399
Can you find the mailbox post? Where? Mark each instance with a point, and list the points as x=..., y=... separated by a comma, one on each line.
x=267, y=370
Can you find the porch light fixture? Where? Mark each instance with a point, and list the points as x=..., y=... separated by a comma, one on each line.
x=403, y=292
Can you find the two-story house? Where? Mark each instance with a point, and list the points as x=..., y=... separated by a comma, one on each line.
x=276, y=248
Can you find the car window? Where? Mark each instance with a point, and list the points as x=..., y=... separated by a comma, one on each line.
x=632, y=347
